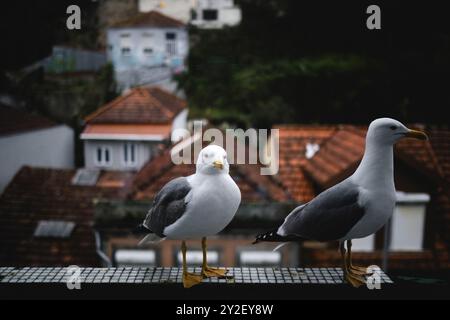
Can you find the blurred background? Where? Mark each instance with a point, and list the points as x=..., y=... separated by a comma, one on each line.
x=87, y=121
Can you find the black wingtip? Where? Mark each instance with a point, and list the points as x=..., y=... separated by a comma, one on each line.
x=140, y=229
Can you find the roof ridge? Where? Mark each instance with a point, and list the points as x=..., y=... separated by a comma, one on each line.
x=132, y=19
x=108, y=106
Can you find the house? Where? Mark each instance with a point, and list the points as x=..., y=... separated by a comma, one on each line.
x=147, y=49
x=215, y=14
x=29, y=139
x=126, y=133
x=207, y=14
x=313, y=158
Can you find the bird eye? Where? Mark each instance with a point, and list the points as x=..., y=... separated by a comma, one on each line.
x=206, y=155
x=393, y=127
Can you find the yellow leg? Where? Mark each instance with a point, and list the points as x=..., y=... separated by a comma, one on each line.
x=355, y=280
x=360, y=271
x=189, y=279
x=208, y=272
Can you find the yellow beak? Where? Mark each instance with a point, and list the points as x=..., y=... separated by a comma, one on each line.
x=218, y=164
x=416, y=135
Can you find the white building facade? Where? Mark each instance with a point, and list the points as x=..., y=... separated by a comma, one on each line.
x=148, y=50
x=50, y=147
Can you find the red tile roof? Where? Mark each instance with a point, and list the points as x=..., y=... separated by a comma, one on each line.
x=150, y=19
x=339, y=156
x=292, y=153
x=440, y=141
x=47, y=194
x=139, y=106
x=15, y=121
x=160, y=170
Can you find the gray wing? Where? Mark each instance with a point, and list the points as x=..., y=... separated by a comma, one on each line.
x=329, y=216
x=168, y=206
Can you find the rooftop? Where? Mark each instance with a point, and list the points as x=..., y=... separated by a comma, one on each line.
x=150, y=19
x=254, y=187
x=139, y=106
x=36, y=195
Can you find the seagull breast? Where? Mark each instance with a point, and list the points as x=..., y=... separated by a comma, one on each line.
x=211, y=206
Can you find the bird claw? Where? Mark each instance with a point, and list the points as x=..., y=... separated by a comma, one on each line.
x=355, y=280
x=360, y=271
x=209, y=272
x=191, y=279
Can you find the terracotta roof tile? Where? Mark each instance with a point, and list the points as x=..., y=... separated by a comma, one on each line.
x=150, y=19
x=293, y=143
x=47, y=194
x=341, y=154
x=160, y=170
x=139, y=106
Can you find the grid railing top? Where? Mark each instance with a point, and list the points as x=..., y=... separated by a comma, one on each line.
x=161, y=275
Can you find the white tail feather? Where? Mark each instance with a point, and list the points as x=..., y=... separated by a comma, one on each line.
x=280, y=246
x=150, y=238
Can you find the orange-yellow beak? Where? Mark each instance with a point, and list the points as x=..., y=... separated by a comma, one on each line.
x=416, y=135
x=218, y=164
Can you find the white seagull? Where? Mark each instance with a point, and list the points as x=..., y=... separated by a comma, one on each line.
x=355, y=208
x=196, y=206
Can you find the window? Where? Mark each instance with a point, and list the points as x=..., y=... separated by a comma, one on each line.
x=260, y=258
x=126, y=51
x=195, y=257
x=408, y=222
x=129, y=154
x=54, y=229
x=134, y=258
x=210, y=15
x=103, y=156
x=171, y=48
x=86, y=177
x=148, y=51
x=171, y=36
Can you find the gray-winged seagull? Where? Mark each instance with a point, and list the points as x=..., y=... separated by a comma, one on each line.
x=196, y=206
x=355, y=208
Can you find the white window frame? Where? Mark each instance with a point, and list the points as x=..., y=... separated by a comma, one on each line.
x=103, y=162
x=126, y=149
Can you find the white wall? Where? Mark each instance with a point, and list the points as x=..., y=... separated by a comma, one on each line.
x=144, y=151
x=227, y=14
x=50, y=147
x=180, y=122
x=141, y=38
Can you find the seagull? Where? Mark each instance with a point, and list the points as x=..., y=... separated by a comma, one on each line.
x=356, y=207
x=196, y=206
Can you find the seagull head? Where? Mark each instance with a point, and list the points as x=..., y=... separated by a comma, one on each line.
x=389, y=131
x=213, y=160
